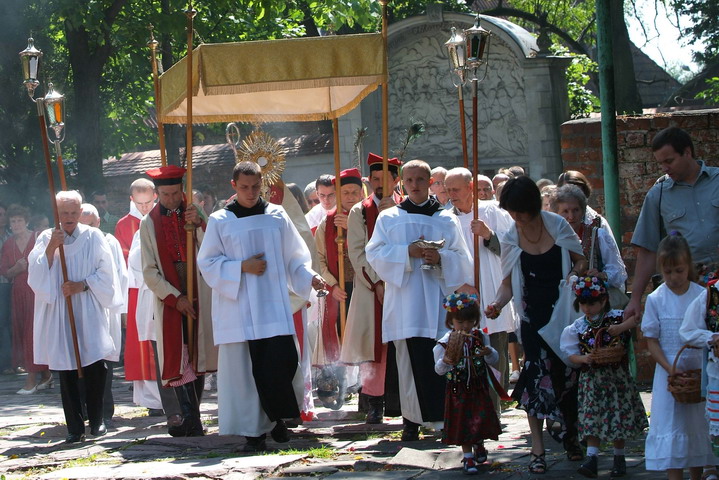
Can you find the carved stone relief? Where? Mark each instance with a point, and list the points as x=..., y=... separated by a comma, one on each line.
x=421, y=89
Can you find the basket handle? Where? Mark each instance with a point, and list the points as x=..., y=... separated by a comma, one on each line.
x=598, y=337
x=679, y=353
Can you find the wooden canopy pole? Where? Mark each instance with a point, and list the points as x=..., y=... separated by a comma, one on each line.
x=385, y=107
x=189, y=226
x=158, y=105
x=53, y=201
x=340, y=239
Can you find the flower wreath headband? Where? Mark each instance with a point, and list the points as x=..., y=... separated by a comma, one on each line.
x=457, y=301
x=586, y=287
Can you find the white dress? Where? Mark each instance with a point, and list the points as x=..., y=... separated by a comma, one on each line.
x=678, y=433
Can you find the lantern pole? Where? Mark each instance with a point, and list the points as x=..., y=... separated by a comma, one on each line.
x=30, y=58
x=340, y=238
x=189, y=226
x=457, y=64
x=477, y=47
x=158, y=105
x=385, y=105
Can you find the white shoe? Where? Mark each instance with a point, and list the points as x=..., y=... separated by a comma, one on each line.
x=514, y=376
x=22, y=391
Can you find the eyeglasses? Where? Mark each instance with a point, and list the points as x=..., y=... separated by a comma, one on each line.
x=314, y=201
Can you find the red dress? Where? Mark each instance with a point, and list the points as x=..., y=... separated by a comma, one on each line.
x=21, y=304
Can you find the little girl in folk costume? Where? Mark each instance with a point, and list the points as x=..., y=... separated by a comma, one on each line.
x=700, y=328
x=678, y=433
x=610, y=408
x=462, y=355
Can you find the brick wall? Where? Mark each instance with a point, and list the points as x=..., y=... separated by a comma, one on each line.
x=582, y=151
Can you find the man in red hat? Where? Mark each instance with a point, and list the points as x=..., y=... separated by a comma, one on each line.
x=164, y=262
x=327, y=251
x=363, y=336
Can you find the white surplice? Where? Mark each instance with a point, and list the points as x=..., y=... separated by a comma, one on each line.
x=115, y=313
x=490, y=264
x=144, y=317
x=89, y=259
x=413, y=297
x=251, y=307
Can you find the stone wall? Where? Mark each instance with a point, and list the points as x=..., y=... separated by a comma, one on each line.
x=582, y=151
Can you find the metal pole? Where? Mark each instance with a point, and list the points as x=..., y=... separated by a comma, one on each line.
x=189, y=226
x=609, y=123
x=340, y=239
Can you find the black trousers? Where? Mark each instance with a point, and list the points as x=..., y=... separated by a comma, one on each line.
x=73, y=399
x=108, y=402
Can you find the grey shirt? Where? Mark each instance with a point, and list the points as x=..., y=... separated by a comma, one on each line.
x=692, y=210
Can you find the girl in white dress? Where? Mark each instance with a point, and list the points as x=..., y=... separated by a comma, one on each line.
x=678, y=433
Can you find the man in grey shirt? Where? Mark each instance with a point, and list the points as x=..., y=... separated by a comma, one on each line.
x=685, y=199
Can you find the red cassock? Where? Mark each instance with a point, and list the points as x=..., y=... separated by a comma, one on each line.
x=139, y=357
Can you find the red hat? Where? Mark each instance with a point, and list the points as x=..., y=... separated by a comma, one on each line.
x=350, y=176
x=375, y=163
x=169, y=175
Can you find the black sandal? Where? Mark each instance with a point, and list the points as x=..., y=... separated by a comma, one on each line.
x=538, y=464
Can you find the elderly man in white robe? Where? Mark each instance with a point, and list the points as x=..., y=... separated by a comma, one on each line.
x=91, y=218
x=250, y=256
x=91, y=287
x=491, y=222
x=413, y=317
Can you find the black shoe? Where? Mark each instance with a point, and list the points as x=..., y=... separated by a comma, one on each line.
x=590, y=467
x=155, y=412
x=280, y=433
x=255, y=444
x=75, y=438
x=619, y=469
x=375, y=412
x=410, y=432
x=98, y=431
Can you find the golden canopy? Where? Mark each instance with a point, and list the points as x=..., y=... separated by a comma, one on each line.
x=298, y=79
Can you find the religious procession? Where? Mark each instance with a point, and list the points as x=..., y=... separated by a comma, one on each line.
x=440, y=294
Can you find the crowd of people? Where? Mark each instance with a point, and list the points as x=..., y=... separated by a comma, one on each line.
x=368, y=284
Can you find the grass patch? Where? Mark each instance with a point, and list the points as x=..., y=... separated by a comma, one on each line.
x=103, y=458
x=315, y=452
x=507, y=404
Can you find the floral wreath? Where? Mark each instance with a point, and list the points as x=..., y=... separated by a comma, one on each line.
x=455, y=302
x=586, y=287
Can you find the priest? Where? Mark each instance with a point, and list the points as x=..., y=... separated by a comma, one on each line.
x=91, y=286
x=413, y=317
x=363, y=336
x=250, y=251
x=163, y=243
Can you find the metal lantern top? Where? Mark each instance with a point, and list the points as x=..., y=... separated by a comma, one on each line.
x=55, y=108
x=30, y=58
x=477, y=39
x=457, y=50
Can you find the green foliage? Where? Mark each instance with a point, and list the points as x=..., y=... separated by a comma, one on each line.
x=582, y=101
x=704, y=28
x=711, y=94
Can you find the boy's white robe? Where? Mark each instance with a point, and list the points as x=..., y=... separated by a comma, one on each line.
x=413, y=297
x=89, y=259
x=251, y=307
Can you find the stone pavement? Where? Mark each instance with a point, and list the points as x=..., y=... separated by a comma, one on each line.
x=336, y=445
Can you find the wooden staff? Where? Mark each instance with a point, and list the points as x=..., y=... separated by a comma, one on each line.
x=385, y=106
x=158, y=105
x=51, y=185
x=463, y=127
x=189, y=226
x=475, y=168
x=340, y=239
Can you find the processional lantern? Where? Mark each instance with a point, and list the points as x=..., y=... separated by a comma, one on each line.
x=456, y=48
x=477, y=41
x=55, y=111
x=30, y=59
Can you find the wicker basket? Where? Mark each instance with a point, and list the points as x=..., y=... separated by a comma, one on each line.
x=685, y=386
x=607, y=354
